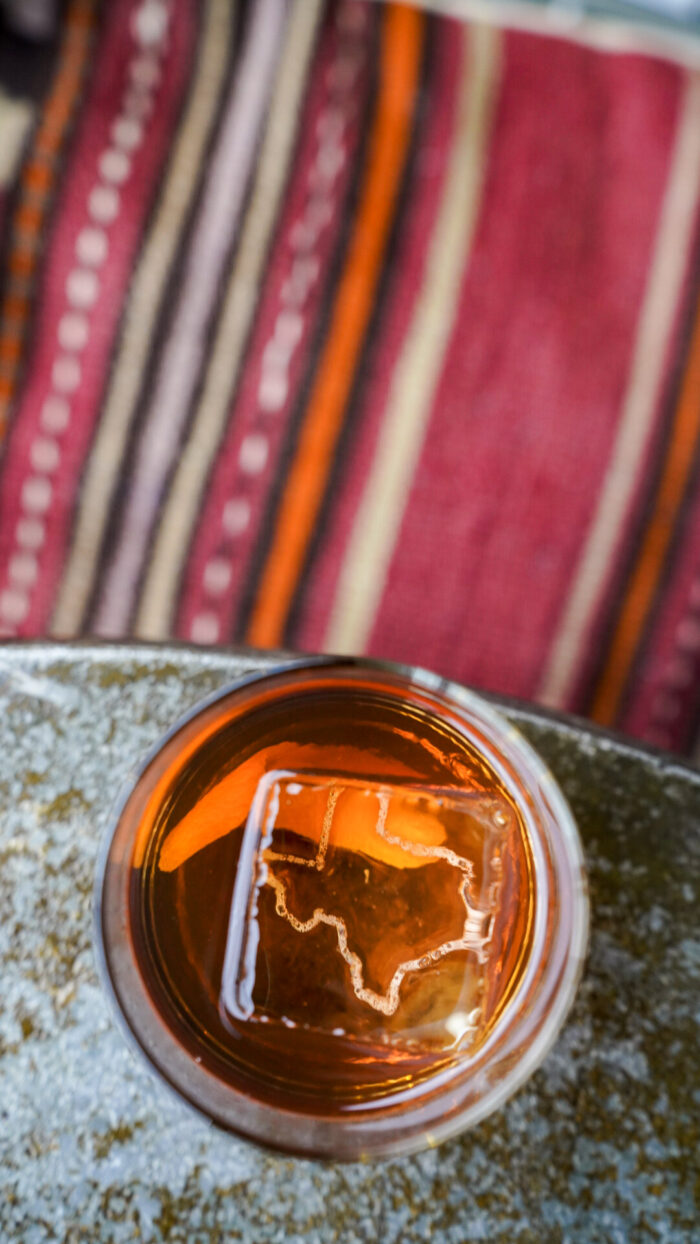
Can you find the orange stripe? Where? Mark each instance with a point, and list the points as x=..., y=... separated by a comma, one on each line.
x=10, y=350
x=28, y=216
x=37, y=178
x=650, y=562
x=402, y=40
x=35, y=185
x=21, y=263
x=16, y=307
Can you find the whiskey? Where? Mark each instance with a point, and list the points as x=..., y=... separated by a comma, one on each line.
x=332, y=898
x=342, y=909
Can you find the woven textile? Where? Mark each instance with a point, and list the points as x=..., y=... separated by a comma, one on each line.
x=347, y=327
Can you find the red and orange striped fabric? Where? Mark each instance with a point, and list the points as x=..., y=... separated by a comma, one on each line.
x=348, y=327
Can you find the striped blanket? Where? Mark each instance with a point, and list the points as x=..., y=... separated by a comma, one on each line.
x=344, y=326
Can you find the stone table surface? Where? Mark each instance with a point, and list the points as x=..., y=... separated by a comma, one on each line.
x=602, y=1144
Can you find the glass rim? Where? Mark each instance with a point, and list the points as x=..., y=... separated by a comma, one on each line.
x=441, y=1105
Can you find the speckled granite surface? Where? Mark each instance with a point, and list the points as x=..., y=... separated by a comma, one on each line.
x=603, y=1144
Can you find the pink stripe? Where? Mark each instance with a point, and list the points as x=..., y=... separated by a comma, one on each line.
x=422, y=202
x=185, y=349
x=51, y=431
x=524, y=417
x=329, y=133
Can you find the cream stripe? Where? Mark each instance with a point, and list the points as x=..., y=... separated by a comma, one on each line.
x=656, y=321
x=15, y=120
x=418, y=369
x=185, y=350
x=153, y=619
x=140, y=321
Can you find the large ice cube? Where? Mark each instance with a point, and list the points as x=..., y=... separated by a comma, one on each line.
x=364, y=907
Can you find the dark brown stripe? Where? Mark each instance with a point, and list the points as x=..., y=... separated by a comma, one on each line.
x=599, y=646
x=657, y=538
x=355, y=407
x=316, y=345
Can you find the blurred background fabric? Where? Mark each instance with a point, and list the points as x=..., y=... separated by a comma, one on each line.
x=347, y=326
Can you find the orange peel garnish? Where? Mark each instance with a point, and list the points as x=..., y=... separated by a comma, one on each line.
x=227, y=805
x=354, y=827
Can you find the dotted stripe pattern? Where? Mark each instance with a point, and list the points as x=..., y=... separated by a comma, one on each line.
x=35, y=194
x=291, y=322
x=149, y=29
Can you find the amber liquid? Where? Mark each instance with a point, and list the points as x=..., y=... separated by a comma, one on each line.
x=333, y=898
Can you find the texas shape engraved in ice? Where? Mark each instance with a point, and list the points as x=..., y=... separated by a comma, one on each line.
x=325, y=812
